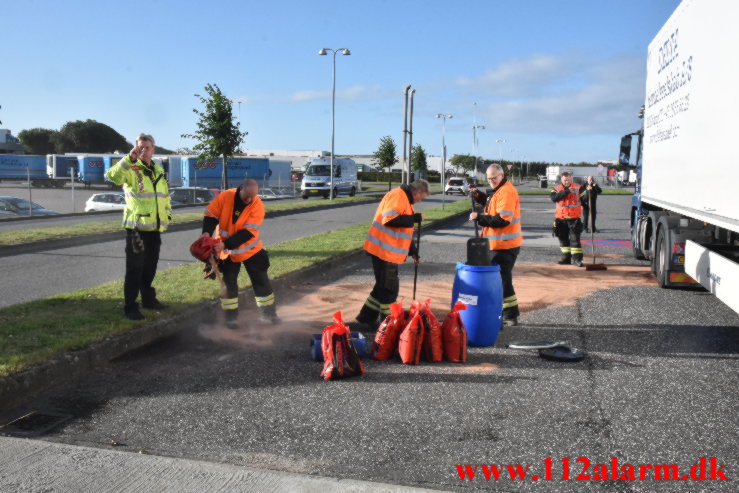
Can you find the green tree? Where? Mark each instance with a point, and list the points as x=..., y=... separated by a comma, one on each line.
x=419, y=162
x=38, y=140
x=217, y=134
x=88, y=136
x=464, y=161
x=385, y=155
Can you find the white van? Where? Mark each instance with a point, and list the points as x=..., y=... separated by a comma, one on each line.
x=317, y=178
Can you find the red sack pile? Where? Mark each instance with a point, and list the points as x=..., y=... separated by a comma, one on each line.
x=454, y=335
x=433, y=344
x=411, y=339
x=386, y=338
x=340, y=358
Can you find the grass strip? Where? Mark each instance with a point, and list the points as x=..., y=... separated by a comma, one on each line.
x=36, y=331
x=10, y=238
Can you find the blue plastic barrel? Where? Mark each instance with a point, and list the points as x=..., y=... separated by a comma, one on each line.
x=480, y=288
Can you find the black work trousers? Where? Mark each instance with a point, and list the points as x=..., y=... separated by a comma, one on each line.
x=568, y=233
x=141, y=266
x=383, y=294
x=586, y=215
x=256, y=267
x=506, y=259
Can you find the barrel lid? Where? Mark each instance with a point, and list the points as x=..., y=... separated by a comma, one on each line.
x=477, y=268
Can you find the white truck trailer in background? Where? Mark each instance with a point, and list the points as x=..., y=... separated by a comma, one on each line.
x=685, y=213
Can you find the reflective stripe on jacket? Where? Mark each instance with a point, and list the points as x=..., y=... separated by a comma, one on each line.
x=569, y=207
x=148, y=206
x=386, y=242
x=504, y=202
x=222, y=208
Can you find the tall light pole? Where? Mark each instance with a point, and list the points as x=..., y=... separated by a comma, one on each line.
x=405, y=132
x=443, y=153
x=475, y=128
x=500, y=149
x=410, y=139
x=324, y=51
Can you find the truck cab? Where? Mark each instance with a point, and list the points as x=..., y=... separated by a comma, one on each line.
x=317, y=178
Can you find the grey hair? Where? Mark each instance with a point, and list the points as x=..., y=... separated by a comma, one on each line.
x=420, y=185
x=146, y=137
x=497, y=167
x=566, y=173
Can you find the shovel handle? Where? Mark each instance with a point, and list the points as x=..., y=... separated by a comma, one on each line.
x=472, y=206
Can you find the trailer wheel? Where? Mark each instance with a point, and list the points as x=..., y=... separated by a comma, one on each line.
x=638, y=254
x=661, y=259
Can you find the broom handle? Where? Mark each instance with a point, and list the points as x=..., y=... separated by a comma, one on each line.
x=591, y=220
x=472, y=204
x=415, y=263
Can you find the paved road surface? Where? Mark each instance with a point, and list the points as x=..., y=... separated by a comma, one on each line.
x=658, y=387
x=38, y=275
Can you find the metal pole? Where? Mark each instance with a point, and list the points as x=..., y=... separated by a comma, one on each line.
x=405, y=131
x=410, y=139
x=71, y=176
x=30, y=195
x=333, y=126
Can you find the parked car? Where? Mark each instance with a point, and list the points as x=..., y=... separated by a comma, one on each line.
x=112, y=201
x=193, y=195
x=456, y=185
x=270, y=194
x=20, y=207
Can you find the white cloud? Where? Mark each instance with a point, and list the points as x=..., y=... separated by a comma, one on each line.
x=520, y=76
x=353, y=93
x=559, y=97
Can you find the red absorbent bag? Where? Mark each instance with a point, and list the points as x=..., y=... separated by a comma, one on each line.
x=454, y=335
x=433, y=343
x=411, y=339
x=340, y=358
x=387, y=335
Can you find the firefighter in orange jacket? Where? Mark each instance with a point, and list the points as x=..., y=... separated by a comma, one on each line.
x=389, y=242
x=501, y=225
x=238, y=214
x=567, y=223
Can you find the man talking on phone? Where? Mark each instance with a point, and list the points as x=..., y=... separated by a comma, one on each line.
x=147, y=214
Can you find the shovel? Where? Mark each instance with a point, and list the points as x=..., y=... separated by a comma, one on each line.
x=591, y=219
x=477, y=248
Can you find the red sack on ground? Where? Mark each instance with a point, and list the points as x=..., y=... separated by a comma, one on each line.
x=454, y=335
x=340, y=358
x=411, y=339
x=433, y=344
x=387, y=335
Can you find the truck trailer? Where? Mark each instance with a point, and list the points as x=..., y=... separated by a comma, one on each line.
x=685, y=212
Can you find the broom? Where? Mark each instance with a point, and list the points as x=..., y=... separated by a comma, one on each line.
x=591, y=219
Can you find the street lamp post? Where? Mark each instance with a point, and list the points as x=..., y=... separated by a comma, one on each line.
x=475, y=127
x=500, y=149
x=324, y=51
x=443, y=153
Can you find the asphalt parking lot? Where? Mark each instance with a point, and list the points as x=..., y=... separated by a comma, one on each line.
x=658, y=386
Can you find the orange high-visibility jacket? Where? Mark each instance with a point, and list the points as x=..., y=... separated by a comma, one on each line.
x=504, y=202
x=570, y=207
x=251, y=218
x=388, y=243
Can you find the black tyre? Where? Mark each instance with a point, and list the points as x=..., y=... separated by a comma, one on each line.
x=304, y=197
x=353, y=192
x=660, y=261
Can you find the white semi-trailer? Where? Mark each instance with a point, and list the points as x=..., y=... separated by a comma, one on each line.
x=685, y=213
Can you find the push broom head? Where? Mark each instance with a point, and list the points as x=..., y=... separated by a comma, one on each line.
x=596, y=267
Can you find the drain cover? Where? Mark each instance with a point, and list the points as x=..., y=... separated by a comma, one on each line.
x=34, y=423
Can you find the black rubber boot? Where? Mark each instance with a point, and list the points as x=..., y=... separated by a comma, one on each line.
x=269, y=314
x=232, y=319
x=367, y=316
x=132, y=312
x=565, y=260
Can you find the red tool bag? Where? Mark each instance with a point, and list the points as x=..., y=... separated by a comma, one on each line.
x=454, y=335
x=411, y=339
x=340, y=358
x=387, y=335
x=433, y=344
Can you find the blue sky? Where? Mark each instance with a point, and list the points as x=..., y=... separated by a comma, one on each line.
x=559, y=80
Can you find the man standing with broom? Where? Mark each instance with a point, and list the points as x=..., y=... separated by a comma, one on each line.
x=389, y=243
x=501, y=226
x=567, y=222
